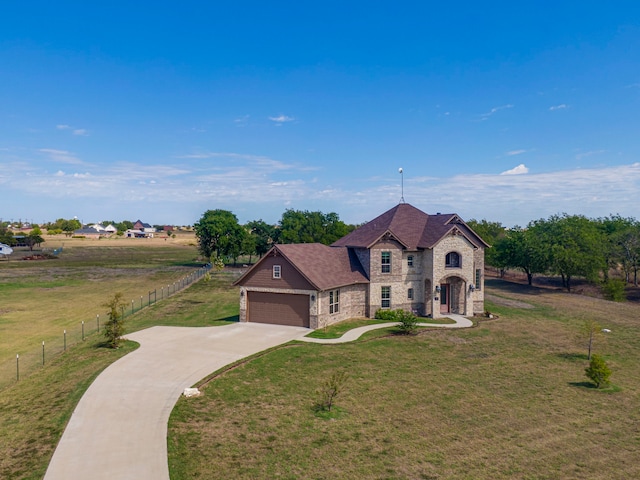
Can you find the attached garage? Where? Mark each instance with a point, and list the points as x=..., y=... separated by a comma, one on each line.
x=278, y=308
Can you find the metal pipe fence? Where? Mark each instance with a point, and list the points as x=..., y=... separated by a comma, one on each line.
x=27, y=362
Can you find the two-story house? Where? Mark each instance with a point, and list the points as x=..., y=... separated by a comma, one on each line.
x=430, y=264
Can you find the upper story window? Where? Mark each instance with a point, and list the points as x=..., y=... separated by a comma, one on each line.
x=452, y=260
x=386, y=262
x=478, y=278
x=334, y=301
x=410, y=261
x=277, y=271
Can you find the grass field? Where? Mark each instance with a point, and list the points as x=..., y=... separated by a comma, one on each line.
x=41, y=299
x=507, y=399
x=34, y=411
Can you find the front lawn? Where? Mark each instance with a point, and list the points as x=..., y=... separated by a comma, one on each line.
x=507, y=399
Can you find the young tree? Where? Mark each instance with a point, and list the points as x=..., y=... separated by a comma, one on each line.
x=114, y=327
x=591, y=330
x=330, y=390
x=598, y=371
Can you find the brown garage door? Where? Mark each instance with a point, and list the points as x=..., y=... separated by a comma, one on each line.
x=278, y=308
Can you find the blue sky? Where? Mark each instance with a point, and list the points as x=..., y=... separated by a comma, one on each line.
x=508, y=111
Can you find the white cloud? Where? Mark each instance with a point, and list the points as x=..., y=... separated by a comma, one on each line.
x=242, y=121
x=254, y=186
x=74, y=131
x=485, y=116
x=280, y=119
x=562, y=106
x=519, y=170
x=61, y=156
x=515, y=152
x=582, y=155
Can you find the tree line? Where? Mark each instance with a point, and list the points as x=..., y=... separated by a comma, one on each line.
x=568, y=246
x=220, y=236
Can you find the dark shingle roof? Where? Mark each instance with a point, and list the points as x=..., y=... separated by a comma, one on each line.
x=323, y=266
x=411, y=227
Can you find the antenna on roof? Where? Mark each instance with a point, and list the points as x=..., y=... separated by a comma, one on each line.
x=401, y=172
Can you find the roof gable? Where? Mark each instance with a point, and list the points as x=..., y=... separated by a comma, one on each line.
x=322, y=266
x=411, y=227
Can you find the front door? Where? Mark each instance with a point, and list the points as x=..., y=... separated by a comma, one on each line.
x=445, y=293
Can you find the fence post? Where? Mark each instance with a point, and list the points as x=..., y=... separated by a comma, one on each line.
x=65, y=340
x=98, y=322
x=140, y=301
x=83, y=330
x=131, y=307
x=43, y=352
x=17, y=367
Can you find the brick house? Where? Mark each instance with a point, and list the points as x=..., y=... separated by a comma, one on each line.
x=404, y=258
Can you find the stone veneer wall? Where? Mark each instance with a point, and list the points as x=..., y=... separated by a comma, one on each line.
x=352, y=304
x=466, y=273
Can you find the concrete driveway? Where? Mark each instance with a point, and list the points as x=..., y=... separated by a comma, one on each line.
x=118, y=430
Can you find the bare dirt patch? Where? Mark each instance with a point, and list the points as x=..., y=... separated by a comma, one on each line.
x=507, y=302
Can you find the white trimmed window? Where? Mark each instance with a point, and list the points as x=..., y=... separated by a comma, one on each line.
x=410, y=261
x=478, y=278
x=277, y=271
x=386, y=262
x=385, y=296
x=410, y=294
x=334, y=301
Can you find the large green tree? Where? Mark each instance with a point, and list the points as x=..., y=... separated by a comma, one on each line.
x=69, y=226
x=575, y=246
x=627, y=242
x=521, y=249
x=491, y=233
x=34, y=237
x=297, y=226
x=219, y=234
x=6, y=235
x=263, y=235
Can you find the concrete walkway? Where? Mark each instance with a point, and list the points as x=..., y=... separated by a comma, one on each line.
x=118, y=430
x=351, y=335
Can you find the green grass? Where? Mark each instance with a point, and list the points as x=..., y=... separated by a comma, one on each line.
x=35, y=411
x=338, y=329
x=507, y=399
x=39, y=300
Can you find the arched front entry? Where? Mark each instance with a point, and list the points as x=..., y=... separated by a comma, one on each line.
x=452, y=296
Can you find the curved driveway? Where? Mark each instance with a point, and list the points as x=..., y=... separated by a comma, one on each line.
x=118, y=430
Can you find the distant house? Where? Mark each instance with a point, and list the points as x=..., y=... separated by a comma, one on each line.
x=145, y=227
x=135, y=233
x=109, y=229
x=429, y=264
x=90, y=232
